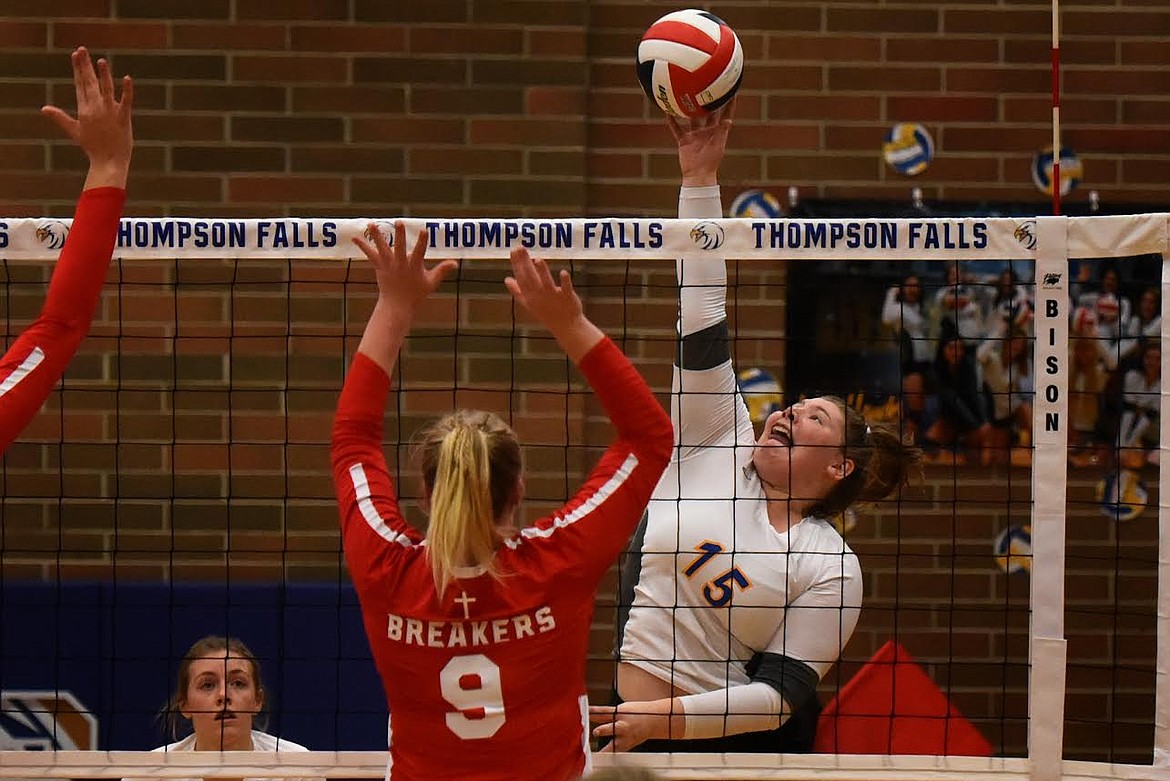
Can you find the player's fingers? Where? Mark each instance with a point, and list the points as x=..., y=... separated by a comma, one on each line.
x=437, y=274
x=379, y=241
x=566, y=280
x=728, y=111
x=523, y=269
x=419, y=250
x=84, y=78
x=513, y=288
x=543, y=275
x=607, y=729
x=105, y=81
x=602, y=713
x=520, y=257
x=126, y=103
x=62, y=120
x=376, y=238
x=367, y=249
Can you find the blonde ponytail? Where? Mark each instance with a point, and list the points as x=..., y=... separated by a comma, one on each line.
x=471, y=466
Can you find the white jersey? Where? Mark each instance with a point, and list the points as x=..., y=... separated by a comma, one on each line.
x=261, y=741
x=718, y=582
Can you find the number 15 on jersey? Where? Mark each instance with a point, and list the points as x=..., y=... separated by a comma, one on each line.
x=719, y=590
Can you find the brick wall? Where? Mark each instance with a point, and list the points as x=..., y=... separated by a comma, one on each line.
x=192, y=426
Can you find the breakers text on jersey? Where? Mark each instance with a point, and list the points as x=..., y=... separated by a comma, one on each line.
x=465, y=634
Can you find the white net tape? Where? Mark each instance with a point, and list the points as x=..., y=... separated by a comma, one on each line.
x=677, y=767
x=1049, y=241
x=965, y=238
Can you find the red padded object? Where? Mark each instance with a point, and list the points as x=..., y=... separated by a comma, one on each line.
x=893, y=707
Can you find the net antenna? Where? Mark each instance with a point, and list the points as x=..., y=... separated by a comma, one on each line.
x=1056, y=107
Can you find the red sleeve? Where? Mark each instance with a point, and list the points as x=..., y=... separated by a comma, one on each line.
x=587, y=533
x=372, y=526
x=35, y=361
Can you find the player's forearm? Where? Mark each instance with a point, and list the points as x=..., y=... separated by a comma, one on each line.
x=577, y=337
x=754, y=707
x=28, y=372
x=628, y=401
x=699, y=202
x=107, y=173
x=384, y=335
x=702, y=280
x=357, y=424
x=81, y=269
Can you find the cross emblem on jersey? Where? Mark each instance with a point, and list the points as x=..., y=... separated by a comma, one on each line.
x=466, y=601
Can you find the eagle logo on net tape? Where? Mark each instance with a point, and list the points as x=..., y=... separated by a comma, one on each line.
x=52, y=234
x=708, y=235
x=1025, y=234
x=385, y=227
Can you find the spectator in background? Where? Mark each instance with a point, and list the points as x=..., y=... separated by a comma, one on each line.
x=1112, y=310
x=1144, y=324
x=1137, y=437
x=962, y=415
x=219, y=695
x=904, y=313
x=959, y=307
x=1007, y=375
x=1087, y=380
x=1010, y=306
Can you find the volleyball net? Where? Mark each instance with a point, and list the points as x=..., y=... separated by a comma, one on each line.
x=1017, y=602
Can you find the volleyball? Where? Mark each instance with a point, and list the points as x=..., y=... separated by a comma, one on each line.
x=761, y=392
x=1013, y=549
x=908, y=148
x=1122, y=495
x=690, y=63
x=1070, y=170
x=756, y=204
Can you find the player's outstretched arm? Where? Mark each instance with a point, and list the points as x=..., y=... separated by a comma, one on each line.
x=36, y=360
x=595, y=524
x=369, y=510
x=706, y=409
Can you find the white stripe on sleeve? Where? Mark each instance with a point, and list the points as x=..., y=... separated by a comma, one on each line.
x=361, y=487
x=34, y=359
x=607, y=490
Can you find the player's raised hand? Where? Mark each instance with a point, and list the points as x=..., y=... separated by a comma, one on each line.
x=533, y=287
x=404, y=279
x=553, y=302
x=701, y=143
x=102, y=128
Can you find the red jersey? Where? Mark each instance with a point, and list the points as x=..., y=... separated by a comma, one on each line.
x=488, y=683
x=36, y=360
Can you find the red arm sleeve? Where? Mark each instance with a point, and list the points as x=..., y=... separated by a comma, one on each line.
x=372, y=526
x=38, y=357
x=587, y=534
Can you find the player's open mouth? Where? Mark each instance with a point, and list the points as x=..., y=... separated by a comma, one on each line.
x=780, y=435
